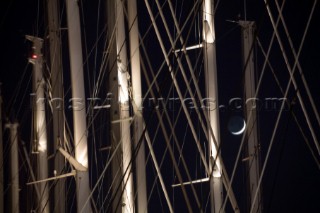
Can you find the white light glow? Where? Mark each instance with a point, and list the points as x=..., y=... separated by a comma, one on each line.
x=208, y=33
x=123, y=85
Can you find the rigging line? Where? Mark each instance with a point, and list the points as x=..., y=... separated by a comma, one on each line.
x=278, y=119
x=174, y=78
x=172, y=134
x=103, y=198
x=291, y=70
x=104, y=170
x=158, y=89
x=158, y=168
x=87, y=58
x=113, y=37
x=104, y=62
x=16, y=91
x=177, y=87
x=173, y=95
x=180, y=110
x=216, y=7
x=270, y=145
x=150, y=145
x=194, y=80
x=165, y=149
x=135, y=152
x=282, y=147
x=176, y=121
x=225, y=177
x=193, y=77
x=80, y=4
x=250, y=114
x=7, y=149
x=87, y=111
x=292, y=112
x=97, y=32
x=142, y=39
x=24, y=95
x=110, y=190
x=145, y=134
x=90, y=105
x=153, y=80
x=99, y=179
x=158, y=191
x=149, y=81
x=298, y=63
x=167, y=139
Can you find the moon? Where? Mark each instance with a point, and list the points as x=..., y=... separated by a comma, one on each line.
x=236, y=125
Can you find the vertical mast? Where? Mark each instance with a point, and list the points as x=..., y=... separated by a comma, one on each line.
x=212, y=94
x=114, y=129
x=253, y=154
x=137, y=106
x=122, y=65
x=78, y=105
x=1, y=155
x=40, y=122
x=56, y=101
x=14, y=175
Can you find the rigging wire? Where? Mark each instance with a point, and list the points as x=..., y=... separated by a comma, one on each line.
x=301, y=74
x=99, y=88
x=272, y=138
x=250, y=114
x=292, y=112
x=291, y=71
x=102, y=173
x=282, y=148
x=175, y=122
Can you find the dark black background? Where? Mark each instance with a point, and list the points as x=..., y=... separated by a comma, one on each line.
x=292, y=179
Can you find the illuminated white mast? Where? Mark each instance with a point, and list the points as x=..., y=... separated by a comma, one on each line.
x=137, y=106
x=40, y=121
x=122, y=66
x=14, y=159
x=253, y=153
x=216, y=196
x=78, y=105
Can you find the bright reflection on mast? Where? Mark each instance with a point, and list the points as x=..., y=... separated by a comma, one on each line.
x=123, y=81
x=128, y=194
x=209, y=39
x=212, y=93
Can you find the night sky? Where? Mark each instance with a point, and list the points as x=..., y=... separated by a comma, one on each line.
x=292, y=178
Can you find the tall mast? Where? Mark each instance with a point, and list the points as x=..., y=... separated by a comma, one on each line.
x=1, y=155
x=253, y=153
x=122, y=65
x=57, y=101
x=114, y=128
x=14, y=174
x=78, y=105
x=216, y=189
x=137, y=102
x=40, y=122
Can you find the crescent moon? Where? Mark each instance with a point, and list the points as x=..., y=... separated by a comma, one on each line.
x=241, y=130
